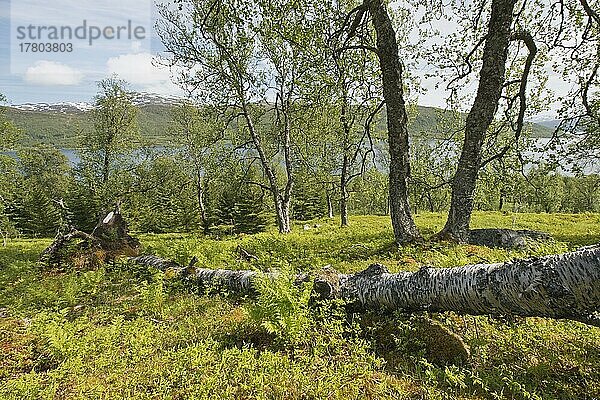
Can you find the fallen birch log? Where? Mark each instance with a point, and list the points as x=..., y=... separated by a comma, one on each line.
x=565, y=286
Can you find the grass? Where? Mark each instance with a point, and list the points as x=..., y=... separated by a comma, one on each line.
x=122, y=332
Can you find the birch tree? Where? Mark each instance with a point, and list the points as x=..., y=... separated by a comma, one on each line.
x=565, y=286
x=393, y=85
x=344, y=89
x=479, y=119
x=198, y=130
x=578, y=47
x=115, y=126
x=510, y=44
x=245, y=58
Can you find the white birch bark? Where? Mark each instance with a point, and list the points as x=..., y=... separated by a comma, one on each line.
x=556, y=286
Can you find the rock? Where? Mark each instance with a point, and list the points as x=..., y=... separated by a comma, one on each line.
x=505, y=238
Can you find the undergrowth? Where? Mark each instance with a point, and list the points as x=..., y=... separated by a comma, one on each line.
x=124, y=332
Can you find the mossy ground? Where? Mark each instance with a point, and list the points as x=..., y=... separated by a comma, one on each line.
x=122, y=332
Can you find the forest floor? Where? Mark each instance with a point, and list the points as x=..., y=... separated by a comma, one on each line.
x=122, y=332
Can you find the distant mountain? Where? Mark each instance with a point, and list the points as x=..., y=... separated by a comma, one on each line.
x=63, y=108
x=152, y=99
x=61, y=124
x=139, y=99
x=551, y=123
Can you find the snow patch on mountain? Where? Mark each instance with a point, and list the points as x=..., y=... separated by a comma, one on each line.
x=139, y=100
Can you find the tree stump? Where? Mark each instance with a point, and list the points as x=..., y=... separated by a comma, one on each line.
x=109, y=240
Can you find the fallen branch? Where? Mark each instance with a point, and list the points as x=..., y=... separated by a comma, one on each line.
x=565, y=286
x=52, y=254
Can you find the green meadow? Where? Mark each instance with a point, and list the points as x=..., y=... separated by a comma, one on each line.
x=125, y=332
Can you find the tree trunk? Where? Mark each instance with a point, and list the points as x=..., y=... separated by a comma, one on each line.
x=344, y=178
x=282, y=214
x=491, y=81
x=201, y=206
x=289, y=172
x=405, y=230
x=557, y=286
x=430, y=202
x=344, y=207
x=387, y=205
x=282, y=203
x=329, y=205
x=285, y=225
x=344, y=192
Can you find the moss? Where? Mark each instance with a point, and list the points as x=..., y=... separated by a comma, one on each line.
x=442, y=346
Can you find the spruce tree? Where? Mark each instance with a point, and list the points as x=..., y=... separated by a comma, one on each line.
x=84, y=207
x=225, y=211
x=240, y=206
x=38, y=215
x=249, y=211
x=310, y=199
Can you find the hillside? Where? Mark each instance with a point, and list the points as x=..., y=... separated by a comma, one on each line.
x=62, y=124
x=62, y=129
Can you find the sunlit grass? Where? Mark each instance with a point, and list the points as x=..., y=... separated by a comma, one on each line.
x=122, y=332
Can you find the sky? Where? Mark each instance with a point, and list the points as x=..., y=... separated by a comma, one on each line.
x=28, y=77
x=73, y=76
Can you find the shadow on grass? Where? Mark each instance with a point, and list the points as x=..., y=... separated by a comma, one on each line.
x=577, y=240
x=248, y=336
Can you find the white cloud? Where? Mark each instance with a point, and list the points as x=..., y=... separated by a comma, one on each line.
x=51, y=73
x=136, y=46
x=139, y=69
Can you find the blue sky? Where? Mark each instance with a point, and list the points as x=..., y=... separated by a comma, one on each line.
x=47, y=77
x=63, y=76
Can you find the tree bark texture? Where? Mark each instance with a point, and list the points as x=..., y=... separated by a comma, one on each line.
x=565, y=286
x=329, y=205
x=289, y=167
x=405, y=230
x=346, y=147
x=491, y=80
x=281, y=201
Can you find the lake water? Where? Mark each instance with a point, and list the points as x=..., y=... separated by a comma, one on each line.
x=588, y=167
x=74, y=157
x=71, y=154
